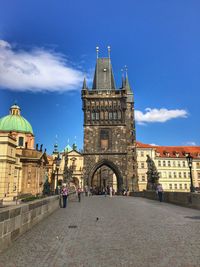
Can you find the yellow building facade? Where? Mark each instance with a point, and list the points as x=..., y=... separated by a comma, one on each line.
x=171, y=164
x=22, y=167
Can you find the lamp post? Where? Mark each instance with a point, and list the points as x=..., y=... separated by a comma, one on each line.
x=57, y=162
x=189, y=160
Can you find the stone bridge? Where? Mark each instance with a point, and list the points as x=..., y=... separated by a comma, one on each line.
x=129, y=231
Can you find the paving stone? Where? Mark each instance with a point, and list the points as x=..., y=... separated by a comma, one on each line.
x=129, y=232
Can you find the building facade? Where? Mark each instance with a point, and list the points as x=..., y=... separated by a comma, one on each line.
x=109, y=127
x=22, y=167
x=171, y=163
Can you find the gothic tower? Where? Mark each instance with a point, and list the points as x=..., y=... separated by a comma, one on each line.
x=109, y=127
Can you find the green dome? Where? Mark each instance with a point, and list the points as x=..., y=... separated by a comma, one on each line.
x=15, y=122
x=68, y=148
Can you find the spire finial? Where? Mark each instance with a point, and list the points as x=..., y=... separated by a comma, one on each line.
x=84, y=84
x=109, y=49
x=127, y=86
x=123, y=81
x=97, y=50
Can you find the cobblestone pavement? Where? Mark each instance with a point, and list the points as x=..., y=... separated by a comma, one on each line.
x=130, y=232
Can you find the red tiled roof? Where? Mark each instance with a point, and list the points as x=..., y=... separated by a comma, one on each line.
x=141, y=145
x=173, y=151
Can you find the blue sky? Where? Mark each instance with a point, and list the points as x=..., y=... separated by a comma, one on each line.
x=47, y=47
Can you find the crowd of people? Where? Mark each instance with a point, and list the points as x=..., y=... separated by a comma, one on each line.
x=88, y=191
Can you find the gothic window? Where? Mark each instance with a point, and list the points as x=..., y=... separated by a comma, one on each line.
x=114, y=115
x=119, y=115
x=93, y=115
x=21, y=141
x=104, y=139
x=97, y=115
x=110, y=115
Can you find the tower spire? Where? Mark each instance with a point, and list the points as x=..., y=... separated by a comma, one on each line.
x=109, y=51
x=84, y=84
x=127, y=85
x=97, y=50
x=123, y=81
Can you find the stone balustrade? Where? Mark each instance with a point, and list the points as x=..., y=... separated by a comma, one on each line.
x=186, y=199
x=15, y=220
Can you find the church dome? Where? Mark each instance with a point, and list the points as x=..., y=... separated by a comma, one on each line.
x=15, y=122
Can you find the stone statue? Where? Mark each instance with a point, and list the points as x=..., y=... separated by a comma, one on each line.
x=68, y=171
x=152, y=174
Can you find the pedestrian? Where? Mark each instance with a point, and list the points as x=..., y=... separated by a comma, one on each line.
x=111, y=191
x=159, y=191
x=79, y=194
x=64, y=193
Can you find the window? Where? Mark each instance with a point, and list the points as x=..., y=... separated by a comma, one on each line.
x=174, y=174
x=198, y=175
x=142, y=165
x=175, y=186
x=114, y=115
x=179, y=175
x=185, y=186
x=183, y=163
x=184, y=175
x=164, y=163
x=159, y=163
x=169, y=163
x=142, y=154
x=119, y=115
x=143, y=178
x=104, y=139
x=93, y=116
x=110, y=115
x=174, y=163
x=180, y=186
x=170, y=186
x=170, y=175
x=21, y=141
x=97, y=115
x=179, y=164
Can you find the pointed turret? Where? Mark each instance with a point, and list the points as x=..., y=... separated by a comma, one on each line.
x=84, y=84
x=127, y=85
x=128, y=89
x=123, y=80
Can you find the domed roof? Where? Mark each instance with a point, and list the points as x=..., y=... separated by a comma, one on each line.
x=15, y=122
x=68, y=148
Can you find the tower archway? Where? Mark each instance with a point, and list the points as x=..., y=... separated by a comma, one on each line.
x=116, y=181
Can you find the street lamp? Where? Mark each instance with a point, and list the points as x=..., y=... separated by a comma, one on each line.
x=57, y=162
x=189, y=160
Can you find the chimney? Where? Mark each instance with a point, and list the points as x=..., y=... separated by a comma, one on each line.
x=41, y=147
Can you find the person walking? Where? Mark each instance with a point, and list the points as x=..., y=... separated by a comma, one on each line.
x=64, y=193
x=159, y=191
x=111, y=191
x=79, y=194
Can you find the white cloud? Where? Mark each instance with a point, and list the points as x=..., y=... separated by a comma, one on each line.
x=159, y=115
x=190, y=143
x=36, y=70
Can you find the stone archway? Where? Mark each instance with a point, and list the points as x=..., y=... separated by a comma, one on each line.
x=112, y=166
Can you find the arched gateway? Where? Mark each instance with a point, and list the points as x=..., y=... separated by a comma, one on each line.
x=109, y=127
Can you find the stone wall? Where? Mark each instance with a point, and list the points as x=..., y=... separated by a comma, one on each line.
x=16, y=220
x=190, y=200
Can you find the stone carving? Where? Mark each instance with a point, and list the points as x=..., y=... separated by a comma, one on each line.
x=152, y=174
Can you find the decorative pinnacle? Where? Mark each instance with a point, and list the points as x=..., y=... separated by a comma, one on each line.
x=109, y=49
x=97, y=50
x=84, y=84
